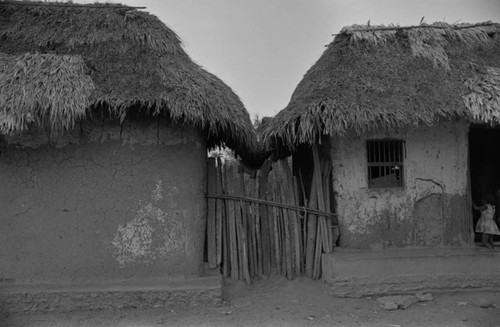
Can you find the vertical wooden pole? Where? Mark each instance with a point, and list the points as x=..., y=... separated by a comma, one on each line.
x=249, y=226
x=211, y=234
x=219, y=213
x=258, y=231
x=321, y=198
x=253, y=229
x=281, y=232
x=226, y=247
x=305, y=222
x=241, y=222
x=317, y=253
x=270, y=230
x=299, y=232
x=276, y=230
x=281, y=191
x=287, y=221
x=231, y=217
x=311, y=230
x=293, y=223
x=226, y=252
x=326, y=186
x=264, y=218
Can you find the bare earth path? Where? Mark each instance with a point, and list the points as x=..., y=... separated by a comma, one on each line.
x=278, y=302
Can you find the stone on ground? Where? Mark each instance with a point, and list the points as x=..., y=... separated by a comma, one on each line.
x=424, y=297
x=397, y=302
x=484, y=303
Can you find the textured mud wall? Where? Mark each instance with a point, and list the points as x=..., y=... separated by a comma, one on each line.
x=108, y=203
x=430, y=210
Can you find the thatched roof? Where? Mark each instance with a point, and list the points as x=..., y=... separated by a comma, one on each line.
x=61, y=62
x=372, y=78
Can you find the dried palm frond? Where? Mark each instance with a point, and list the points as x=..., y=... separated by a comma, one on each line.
x=484, y=99
x=429, y=44
x=46, y=89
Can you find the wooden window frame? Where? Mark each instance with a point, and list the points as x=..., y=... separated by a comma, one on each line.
x=384, y=156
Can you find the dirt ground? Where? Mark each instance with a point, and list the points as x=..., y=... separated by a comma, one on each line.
x=279, y=302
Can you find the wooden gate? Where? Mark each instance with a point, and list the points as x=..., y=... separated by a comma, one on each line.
x=264, y=223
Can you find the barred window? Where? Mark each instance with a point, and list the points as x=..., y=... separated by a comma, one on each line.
x=385, y=163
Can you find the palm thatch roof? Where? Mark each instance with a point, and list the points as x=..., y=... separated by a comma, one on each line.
x=60, y=63
x=376, y=77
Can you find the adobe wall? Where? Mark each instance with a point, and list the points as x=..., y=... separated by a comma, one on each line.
x=108, y=203
x=430, y=210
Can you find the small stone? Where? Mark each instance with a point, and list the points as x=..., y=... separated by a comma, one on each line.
x=389, y=306
x=395, y=302
x=406, y=301
x=483, y=303
x=387, y=302
x=424, y=297
x=461, y=304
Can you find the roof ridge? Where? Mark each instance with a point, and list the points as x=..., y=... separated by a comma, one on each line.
x=363, y=28
x=67, y=4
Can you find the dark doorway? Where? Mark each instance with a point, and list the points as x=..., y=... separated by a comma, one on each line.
x=484, y=156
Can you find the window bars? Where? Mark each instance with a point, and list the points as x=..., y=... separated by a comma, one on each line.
x=385, y=163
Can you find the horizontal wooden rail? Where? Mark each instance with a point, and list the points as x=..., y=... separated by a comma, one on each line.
x=271, y=203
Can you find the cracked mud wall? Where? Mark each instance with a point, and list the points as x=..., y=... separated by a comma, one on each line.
x=430, y=210
x=110, y=203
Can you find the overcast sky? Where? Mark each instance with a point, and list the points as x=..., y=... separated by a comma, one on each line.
x=262, y=48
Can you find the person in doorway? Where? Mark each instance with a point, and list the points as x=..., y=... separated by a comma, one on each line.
x=496, y=217
x=485, y=224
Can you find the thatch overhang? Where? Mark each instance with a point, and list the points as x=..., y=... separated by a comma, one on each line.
x=64, y=62
x=380, y=78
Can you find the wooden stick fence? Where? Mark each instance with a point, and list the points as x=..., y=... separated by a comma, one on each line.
x=264, y=224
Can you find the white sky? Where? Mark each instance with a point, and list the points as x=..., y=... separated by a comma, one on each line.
x=262, y=48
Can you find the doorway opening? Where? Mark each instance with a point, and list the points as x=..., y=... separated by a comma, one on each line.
x=484, y=158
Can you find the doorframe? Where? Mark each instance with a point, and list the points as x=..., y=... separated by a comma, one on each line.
x=468, y=195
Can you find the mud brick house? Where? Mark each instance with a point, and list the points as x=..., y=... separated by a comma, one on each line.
x=408, y=117
x=105, y=123
x=401, y=109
